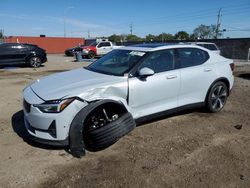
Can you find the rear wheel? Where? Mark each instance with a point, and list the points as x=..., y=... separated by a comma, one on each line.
x=35, y=62
x=217, y=97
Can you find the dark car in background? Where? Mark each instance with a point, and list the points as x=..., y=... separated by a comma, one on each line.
x=21, y=54
x=72, y=51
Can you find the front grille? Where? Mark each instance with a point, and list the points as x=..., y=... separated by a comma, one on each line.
x=26, y=106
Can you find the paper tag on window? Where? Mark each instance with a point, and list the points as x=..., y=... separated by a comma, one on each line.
x=137, y=53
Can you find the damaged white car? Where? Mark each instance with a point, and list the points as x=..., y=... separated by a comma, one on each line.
x=92, y=107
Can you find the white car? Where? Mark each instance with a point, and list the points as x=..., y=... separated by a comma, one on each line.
x=208, y=45
x=93, y=107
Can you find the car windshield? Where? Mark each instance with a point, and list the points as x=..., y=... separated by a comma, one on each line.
x=117, y=62
x=93, y=44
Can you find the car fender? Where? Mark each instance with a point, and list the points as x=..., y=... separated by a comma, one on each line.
x=31, y=54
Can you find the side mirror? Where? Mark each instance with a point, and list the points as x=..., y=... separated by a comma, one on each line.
x=145, y=72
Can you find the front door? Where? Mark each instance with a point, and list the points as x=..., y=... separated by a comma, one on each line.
x=158, y=92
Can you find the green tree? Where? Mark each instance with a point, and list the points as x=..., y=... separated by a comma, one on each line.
x=205, y=32
x=133, y=38
x=181, y=35
x=115, y=38
x=1, y=34
x=150, y=37
x=165, y=36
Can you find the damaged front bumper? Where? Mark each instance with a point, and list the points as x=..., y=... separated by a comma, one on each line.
x=48, y=128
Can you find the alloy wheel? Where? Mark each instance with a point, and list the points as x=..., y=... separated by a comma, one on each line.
x=218, y=97
x=35, y=62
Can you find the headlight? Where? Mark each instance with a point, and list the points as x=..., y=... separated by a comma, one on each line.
x=54, y=106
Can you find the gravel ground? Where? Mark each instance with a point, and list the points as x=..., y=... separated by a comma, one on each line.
x=189, y=149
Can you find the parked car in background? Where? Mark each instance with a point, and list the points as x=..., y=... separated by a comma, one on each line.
x=208, y=45
x=22, y=54
x=72, y=51
x=98, y=48
x=94, y=106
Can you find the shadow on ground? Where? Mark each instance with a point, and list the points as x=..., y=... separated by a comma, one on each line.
x=19, y=127
x=245, y=76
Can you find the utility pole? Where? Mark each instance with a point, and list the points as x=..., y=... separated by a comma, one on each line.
x=88, y=34
x=131, y=29
x=218, y=23
x=64, y=19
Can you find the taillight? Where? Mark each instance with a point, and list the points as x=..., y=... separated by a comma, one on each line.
x=232, y=66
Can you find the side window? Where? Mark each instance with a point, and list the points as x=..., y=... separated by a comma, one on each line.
x=100, y=45
x=106, y=44
x=188, y=57
x=160, y=61
x=103, y=44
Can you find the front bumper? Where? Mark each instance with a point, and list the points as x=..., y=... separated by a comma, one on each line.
x=85, y=52
x=48, y=128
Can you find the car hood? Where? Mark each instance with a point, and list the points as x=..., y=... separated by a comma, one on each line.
x=82, y=83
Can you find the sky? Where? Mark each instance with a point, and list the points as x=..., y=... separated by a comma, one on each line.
x=98, y=18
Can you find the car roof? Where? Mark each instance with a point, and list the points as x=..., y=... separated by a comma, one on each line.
x=159, y=46
x=17, y=44
x=202, y=43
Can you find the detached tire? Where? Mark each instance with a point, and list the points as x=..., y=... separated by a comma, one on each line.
x=103, y=137
x=99, y=125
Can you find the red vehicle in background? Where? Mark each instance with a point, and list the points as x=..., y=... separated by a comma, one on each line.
x=98, y=48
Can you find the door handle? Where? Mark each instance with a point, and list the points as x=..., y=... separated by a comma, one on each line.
x=171, y=77
x=207, y=70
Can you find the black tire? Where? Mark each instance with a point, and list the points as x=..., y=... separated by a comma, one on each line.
x=83, y=135
x=35, y=62
x=217, y=97
x=91, y=55
x=103, y=137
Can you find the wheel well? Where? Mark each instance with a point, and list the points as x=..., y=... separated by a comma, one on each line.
x=110, y=106
x=30, y=56
x=225, y=81
x=91, y=51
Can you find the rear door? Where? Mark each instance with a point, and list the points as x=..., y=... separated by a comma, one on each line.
x=158, y=92
x=196, y=72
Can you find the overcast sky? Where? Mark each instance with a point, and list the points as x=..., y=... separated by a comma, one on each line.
x=104, y=18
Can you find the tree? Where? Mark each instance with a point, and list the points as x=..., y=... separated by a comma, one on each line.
x=181, y=35
x=165, y=36
x=115, y=38
x=133, y=38
x=205, y=32
x=1, y=34
x=150, y=37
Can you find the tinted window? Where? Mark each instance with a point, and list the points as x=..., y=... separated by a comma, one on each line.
x=160, y=61
x=104, y=44
x=187, y=57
